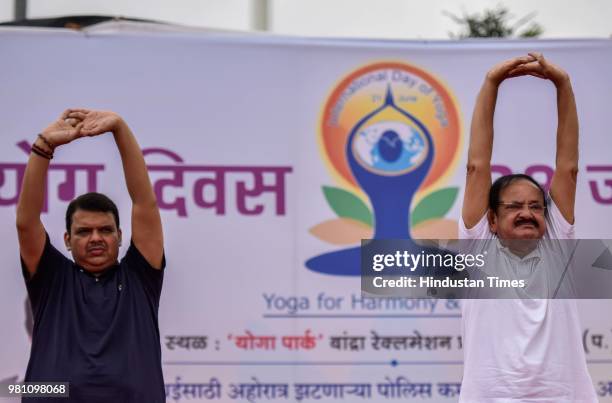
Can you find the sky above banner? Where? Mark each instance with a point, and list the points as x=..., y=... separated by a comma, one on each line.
x=396, y=19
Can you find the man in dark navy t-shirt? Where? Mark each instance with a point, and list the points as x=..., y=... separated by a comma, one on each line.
x=95, y=319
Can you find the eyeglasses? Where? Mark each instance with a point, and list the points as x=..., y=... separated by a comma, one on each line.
x=513, y=207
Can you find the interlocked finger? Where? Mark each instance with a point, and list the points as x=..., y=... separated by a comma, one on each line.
x=71, y=121
x=77, y=114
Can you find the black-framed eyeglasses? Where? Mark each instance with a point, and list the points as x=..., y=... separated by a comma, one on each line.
x=513, y=207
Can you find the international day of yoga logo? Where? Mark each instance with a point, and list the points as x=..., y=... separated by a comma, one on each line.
x=389, y=134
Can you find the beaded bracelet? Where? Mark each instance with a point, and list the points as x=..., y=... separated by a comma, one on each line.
x=40, y=152
x=47, y=142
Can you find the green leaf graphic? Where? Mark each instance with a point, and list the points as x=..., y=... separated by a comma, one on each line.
x=346, y=204
x=434, y=205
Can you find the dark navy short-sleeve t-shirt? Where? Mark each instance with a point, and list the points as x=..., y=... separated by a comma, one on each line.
x=100, y=334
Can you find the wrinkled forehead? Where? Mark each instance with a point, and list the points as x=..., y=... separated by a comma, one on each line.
x=92, y=219
x=521, y=191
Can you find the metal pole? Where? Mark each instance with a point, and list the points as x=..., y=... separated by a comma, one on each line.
x=20, y=10
x=259, y=15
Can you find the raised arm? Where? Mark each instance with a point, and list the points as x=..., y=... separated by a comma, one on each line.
x=30, y=230
x=147, y=232
x=563, y=185
x=478, y=178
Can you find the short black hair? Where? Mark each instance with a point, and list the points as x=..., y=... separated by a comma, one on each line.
x=503, y=182
x=91, y=202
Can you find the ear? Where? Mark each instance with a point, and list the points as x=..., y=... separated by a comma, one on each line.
x=67, y=240
x=492, y=218
x=120, y=236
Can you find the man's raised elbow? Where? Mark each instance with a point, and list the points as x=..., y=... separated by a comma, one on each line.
x=22, y=224
x=477, y=166
x=567, y=170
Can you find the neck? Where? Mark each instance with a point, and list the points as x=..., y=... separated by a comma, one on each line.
x=97, y=271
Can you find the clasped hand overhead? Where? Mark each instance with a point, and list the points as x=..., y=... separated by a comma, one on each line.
x=78, y=122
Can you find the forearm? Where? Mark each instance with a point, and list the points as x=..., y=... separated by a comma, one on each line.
x=134, y=167
x=31, y=198
x=481, y=136
x=567, y=129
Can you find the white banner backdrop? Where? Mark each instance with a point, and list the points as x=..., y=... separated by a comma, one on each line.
x=261, y=152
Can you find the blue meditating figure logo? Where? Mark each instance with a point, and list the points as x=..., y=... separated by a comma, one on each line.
x=389, y=152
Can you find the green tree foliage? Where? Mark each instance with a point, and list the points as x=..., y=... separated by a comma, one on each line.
x=495, y=23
